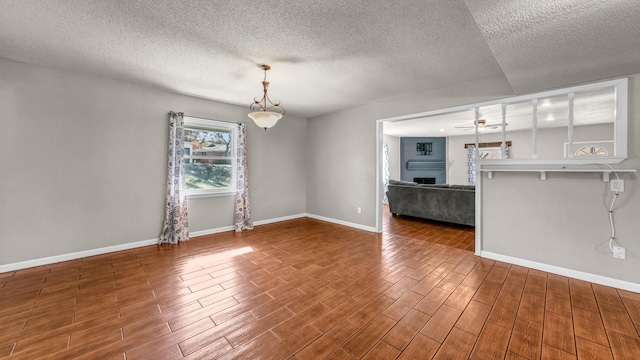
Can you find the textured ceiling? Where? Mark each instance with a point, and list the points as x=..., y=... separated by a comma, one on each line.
x=542, y=44
x=326, y=55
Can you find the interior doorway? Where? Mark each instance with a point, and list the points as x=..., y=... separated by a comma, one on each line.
x=448, y=234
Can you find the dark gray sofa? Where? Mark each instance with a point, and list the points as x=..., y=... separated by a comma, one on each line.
x=449, y=203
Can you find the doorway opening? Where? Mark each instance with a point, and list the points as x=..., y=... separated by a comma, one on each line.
x=445, y=233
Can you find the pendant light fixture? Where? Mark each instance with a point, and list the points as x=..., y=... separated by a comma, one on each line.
x=264, y=112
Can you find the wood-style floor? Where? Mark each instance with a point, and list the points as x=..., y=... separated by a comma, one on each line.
x=457, y=236
x=306, y=289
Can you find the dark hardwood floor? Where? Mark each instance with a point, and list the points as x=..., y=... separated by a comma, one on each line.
x=307, y=289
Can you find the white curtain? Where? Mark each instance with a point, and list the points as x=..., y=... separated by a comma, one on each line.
x=243, y=207
x=176, y=224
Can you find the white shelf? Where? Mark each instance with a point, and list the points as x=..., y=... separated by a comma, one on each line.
x=543, y=171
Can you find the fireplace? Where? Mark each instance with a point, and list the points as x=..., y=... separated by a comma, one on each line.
x=424, y=180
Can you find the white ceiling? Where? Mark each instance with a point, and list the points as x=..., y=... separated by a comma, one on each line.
x=326, y=55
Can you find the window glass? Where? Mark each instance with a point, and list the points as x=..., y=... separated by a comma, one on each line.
x=552, y=126
x=594, y=114
x=209, y=157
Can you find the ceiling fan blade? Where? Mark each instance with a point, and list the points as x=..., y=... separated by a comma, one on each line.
x=481, y=126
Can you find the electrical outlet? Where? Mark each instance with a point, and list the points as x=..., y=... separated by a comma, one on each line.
x=359, y=210
x=617, y=185
x=619, y=252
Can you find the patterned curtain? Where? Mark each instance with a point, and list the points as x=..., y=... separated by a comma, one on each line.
x=505, y=152
x=243, y=207
x=176, y=225
x=385, y=169
x=471, y=165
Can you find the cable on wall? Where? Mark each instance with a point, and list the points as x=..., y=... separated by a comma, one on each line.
x=612, y=238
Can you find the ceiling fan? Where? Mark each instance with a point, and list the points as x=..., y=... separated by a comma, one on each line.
x=482, y=124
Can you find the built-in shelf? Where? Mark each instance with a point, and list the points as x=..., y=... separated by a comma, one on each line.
x=543, y=172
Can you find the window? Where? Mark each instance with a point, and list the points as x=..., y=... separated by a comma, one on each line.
x=209, y=157
x=591, y=151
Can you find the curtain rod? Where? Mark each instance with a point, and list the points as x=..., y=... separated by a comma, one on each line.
x=199, y=117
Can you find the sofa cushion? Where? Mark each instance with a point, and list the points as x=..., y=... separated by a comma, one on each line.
x=463, y=187
x=441, y=203
x=404, y=183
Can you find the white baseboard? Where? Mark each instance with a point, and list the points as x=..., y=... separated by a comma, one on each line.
x=232, y=227
x=345, y=223
x=274, y=220
x=597, y=279
x=211, y=231
x=86, y=253
x=75, y=255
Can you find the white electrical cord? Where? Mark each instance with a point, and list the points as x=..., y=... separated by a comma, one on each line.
x=613, y=202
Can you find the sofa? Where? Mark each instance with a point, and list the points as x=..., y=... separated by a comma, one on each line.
x=449, y=203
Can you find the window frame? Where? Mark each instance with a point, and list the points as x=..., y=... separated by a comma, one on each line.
x=214, y=125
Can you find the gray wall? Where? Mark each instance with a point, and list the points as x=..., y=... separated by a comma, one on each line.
x=561, y=221
x=83, y=163
x=341, y=158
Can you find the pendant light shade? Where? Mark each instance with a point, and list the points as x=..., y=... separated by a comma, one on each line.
x=263, y=114
x=265, y=119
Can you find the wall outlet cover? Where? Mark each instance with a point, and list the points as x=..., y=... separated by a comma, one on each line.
x=617, y=185
x=619, y=252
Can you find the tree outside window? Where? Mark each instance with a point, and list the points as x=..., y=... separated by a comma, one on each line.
x=209, y=157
